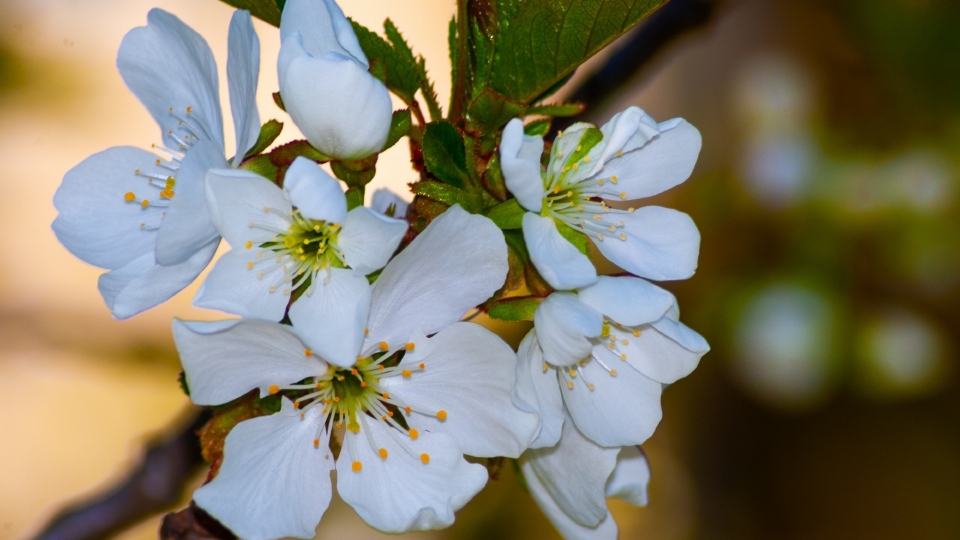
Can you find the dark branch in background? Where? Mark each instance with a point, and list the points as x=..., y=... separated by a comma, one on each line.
x=156, y=484
x=672, y=20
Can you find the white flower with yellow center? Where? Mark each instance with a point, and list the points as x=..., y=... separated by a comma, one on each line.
x=341, y=108
x=142, y=215
x=299, y=247
x=603, y=354
x=629, y=158
x=406, y=410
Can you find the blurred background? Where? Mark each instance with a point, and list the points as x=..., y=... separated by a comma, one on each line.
x=828, y=285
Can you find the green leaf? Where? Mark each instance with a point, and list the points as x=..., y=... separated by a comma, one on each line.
x=266, y=10
x=490, y=111
x=268, y=133
x=539, y=43
x=575, y=237
x=537, y=128
x=446, y=194
x=444, y=154
x=279, y=101
x=356, y=173
x=285, y=154
x=558, y=109
x=507, y=215
x=403, y=75
x=515, y=309
x=400, y=125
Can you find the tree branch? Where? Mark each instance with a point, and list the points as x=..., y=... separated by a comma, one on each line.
x=156, y=484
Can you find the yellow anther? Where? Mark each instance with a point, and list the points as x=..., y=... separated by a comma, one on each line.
x=136, y=171
x=623, y=236
x=612, y=344
x=307, y=352
x=410, y=346
x=250, y=265
x=380, y=367
x=623, y=195
x=600, y=182
x=274, y=389
x=612, y=228
x=406, y=373
x=590, y=386
x=341, y=378
x=625, y=342
x=425, y=458
x=129, y=196
x=363, y=384
x=422, y=366
x=614, y=179
x=575, y=166
x=605, y=330
x=600, y=237
x=386, y=395
x=142, y=225
x=145, y=203
x=158, y=162
x=583, y=363
x=623, y=356
x=636, y=332
x=579, y=147
x=619, y=153
x=573, y=373
x=366, y=331
x=613, y=373
x=316, y=443
x=353, y=427
x=570, y=385
x=441, y=415
x=383, y=453
x=413, y=433
x=408, y=410
x=189, y=110
x=546, y=366
x=357, y=466
x=296, y=405
x=586, y=159
x=354, y=371
x=384, y=346
x=556, y=189
x=336, y=398
x=631, y=209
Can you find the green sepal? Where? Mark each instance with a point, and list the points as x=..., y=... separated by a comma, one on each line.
x=575, y=237
x=278, y=100
x=354, y=197
x=515, y=309
x=447, y=194
x=518, y=474
x=558, y=109
x=285, y=154
x=268, y=133
x=507, y=215
x=537, y=128
x=400, y=125
x=490, y=110
x=444, y=154
x=182, y=381
x=357, y=172
x=265, y=10
x=261, y=165
x=493, y=178
x=373, y=277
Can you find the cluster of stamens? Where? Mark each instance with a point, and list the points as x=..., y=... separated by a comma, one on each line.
x=302, y=251
x=612, y=341
x=579, y=202
x=350, y=398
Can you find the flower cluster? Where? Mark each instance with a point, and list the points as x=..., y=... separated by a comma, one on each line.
x=350, y=321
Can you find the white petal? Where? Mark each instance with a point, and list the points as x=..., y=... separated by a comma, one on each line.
x=573, y=475
x=537, y=391
x=630, y=478
x=557, y=260
x=565, y=525
x=243, y=71
x=665, y=351
x=661, y=164
x=235, y=288
x=314, y=192
x=627, y=300
x=187, y=226
x=352, y=120
x=95, y=223
x=628, y=130
x=383, y=198
x=368, y=239
x=332, y=315
x=469, y=372
x=223, y=365
x=563, y=325
x=323, y=26
x=456, y=263
x=274, y=482
x=401, y=493
x=620, y=410
x=169, y=66
x=661, y=244
x=520, y=163
x=238, y=198
x=144, y=283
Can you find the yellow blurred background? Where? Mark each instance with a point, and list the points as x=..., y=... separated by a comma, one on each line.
x=829, y=279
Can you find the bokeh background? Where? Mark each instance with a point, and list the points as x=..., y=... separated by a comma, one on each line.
x=829, y=279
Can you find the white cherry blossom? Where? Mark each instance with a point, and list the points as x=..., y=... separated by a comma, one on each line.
x=604, y=355
x=299, y=242
x=406, y=410
x=142, y=215
x=341, y=108
x=630, y=157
